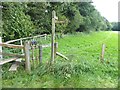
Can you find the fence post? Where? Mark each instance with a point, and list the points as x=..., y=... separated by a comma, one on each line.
x=21, y=45
x=45, y=36
x=56, y=47
x=102, y=53
x=1, y=48
x=27, y=56
x=40, y=53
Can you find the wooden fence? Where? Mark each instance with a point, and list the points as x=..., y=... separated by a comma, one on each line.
x=26, y=47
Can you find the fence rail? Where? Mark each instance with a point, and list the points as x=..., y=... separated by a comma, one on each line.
x=11, y=41
x=11, y=45
x=7, y=60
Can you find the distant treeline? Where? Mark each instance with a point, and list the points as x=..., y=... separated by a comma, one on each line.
x=32, y=18
x=115, y=26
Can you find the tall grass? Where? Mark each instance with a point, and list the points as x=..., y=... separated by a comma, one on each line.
x=82, y=70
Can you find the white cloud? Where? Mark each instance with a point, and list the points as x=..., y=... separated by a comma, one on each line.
x=107, y=8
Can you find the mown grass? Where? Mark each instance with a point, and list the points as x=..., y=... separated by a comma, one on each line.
x=82, y=70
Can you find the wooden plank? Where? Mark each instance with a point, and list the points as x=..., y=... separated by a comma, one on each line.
x=61, y=55
x=8, y=54
x=27, y=56
x=15, y=65
x=8, y=60
x=11, y=45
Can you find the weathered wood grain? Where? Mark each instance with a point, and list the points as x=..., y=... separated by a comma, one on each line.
x=27, y=56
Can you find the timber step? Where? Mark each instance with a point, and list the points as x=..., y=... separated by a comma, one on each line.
x=15, y=65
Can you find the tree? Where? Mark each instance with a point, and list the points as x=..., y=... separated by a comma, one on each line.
x=115, y=26
x=75, y=18
x=92, y=18
x=15, y=23
x=40, y=15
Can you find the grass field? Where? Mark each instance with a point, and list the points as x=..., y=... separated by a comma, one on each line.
x=82, y=70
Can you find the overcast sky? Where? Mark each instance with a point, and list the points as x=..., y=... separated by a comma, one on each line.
x=107, y=8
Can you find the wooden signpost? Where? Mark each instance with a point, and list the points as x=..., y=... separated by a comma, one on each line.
x=53, y=43
x=53, y=35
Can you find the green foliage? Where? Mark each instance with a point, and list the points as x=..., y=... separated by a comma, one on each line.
x=75, y=20
x=92, y=18
x=15, y=23
x=115, y=26
x=20, y=19
x=40, y=17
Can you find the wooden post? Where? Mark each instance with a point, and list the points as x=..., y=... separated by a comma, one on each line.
x=55, y=49
x=102, y=53
x=27, y=56
x=32, y=47
x=45, y=36
x=53, y=36
x=1, y=48
x=33, y=59
x=40, y=53
x=21, y=45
